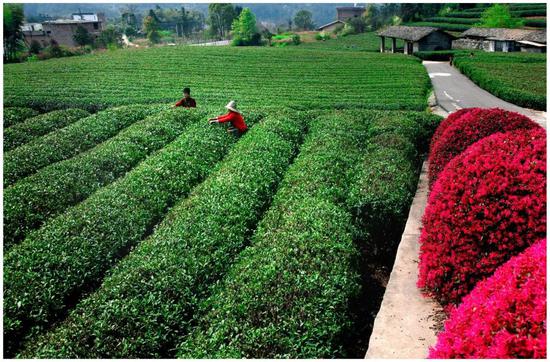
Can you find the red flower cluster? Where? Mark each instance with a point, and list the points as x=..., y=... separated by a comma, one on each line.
x=467, y=128
x=451, y=118
x=504, y=316
x=488, y=205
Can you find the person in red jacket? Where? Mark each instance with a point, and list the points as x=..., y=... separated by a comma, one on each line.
x=186, y=101
x=238, y=126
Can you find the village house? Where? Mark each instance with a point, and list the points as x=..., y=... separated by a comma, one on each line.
x=415, y=38
x=343, y=14
x=63, y=30
x=502, y=40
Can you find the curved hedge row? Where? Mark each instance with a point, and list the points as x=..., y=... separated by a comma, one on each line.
x=33, y=200
x=302, y=257
x=149, y=298
x=472, y=126
x=501, y=85
x=37, y=126
x=48, y=272
x=14, y=115
x=487, y=205
x=504, y=316
x=71, y=140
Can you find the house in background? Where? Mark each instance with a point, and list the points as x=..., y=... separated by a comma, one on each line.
x=343, y=14
x=63, y=30
x=502, y=40
x=416, y=38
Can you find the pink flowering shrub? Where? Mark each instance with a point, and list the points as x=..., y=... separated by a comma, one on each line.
x=488, y=205
x=504, y=316
x=451, y=118
x=461, y=132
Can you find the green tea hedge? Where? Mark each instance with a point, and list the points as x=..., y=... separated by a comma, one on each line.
x=13, y=115
x=150, y=297
x=48, y=272
x=37, y=126
x=33, y=200
x=287, y=294
x=71, y=140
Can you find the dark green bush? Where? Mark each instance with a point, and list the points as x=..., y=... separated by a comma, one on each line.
x=149, y=298
x=287, y=295
x=71, y=140
x=41, y=196
x=535, y=23
x=49, y=271
x=37, y=126
x=13, y=115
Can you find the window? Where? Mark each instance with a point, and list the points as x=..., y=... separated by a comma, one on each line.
x=96, y=26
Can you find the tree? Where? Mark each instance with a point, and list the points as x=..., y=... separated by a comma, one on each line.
x=150, y=26
x=82, y=36
x=35, y=47
x=267, y=35
x=499, y=16
x=13, y=35
x=289, y=24
x=303, y=20
x=220, y=19
x=244, y=29
x=110, y=37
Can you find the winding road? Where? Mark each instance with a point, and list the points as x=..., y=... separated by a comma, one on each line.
x=454, y=91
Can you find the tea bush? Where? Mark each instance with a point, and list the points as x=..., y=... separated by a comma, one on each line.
x=48, y=272
x=43, y=195
x=71, y=140
x=486, y=206
x=37, y=126
x=504, y=316
x=14, y=115
x=149, y=298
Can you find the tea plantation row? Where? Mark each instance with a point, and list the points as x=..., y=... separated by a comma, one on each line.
x=151, y=298
x=292, y=77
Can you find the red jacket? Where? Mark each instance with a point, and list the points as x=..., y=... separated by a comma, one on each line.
x=236, y=120
x=187, y=103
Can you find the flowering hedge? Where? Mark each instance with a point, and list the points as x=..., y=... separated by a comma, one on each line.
x=451, y=118
x=504, y=316
x=488, y=205
x=469, y=128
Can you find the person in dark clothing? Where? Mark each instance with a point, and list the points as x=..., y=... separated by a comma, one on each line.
x=238, y=126
x=186, y=101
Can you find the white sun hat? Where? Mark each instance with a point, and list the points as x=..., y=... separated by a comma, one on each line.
x=232, y=106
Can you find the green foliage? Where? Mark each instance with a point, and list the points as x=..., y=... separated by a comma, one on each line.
x=519, y=78
x=50, y=270
x=39, y=197
x=499, y=16
x=244, y=29
x=220, y=18
x=110, y=37
x=82, y=36
x=301, y=256
x=14, y=115
x=303, y=20
x=70, y=141
x=35, y=47
x=354, y=26
x=103, y=80
x=150, y=26
x=13, y=35
x=148, y=300
x=37, y=126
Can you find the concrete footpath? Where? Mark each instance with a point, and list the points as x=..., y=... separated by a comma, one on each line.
x=407, y=323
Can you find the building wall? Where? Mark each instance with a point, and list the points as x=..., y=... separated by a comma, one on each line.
x=39, y=36
x=472, y=44
x=332, y=27
x=63, y=32
x=530, y=49
x=434, y=41
x=345, y=14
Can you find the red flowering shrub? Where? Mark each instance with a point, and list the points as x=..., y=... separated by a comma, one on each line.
x=504, y=316
x=461, y=132
x=451, y=118
x=488, y=205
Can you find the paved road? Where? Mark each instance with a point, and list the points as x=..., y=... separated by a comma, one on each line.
x=454, y=91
